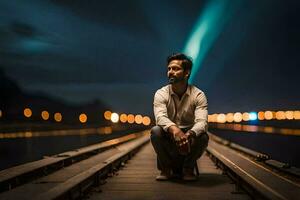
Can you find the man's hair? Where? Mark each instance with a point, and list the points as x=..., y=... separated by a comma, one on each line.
x=187, y=62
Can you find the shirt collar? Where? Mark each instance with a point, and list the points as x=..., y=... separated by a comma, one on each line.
x=187, y=92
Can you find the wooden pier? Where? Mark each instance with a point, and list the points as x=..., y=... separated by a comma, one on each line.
x=125, y=168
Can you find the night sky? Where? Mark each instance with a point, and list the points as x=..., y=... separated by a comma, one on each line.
x=115, y=51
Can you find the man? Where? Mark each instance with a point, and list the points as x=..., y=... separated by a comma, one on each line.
x=179, y=137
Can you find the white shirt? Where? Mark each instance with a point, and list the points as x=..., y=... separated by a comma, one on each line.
x=188, y=112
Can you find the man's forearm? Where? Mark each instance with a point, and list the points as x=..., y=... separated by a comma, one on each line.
x=175, y=130
x=200, y=127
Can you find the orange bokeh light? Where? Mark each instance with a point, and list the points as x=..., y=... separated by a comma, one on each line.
x=138, y=119
x=289, y=115
x=130, y=118
x=237, y=117
x=58, y=117
x=268, y=115
x=83, y=118
x=107, y=115
x=27, y=112
x=123, y=118
x=221, y=118
x=261, y=115
x=45, y=115
x=146, y=121
x=214, y=117
x=245, y=116
x=229, y=117
x=280, y=115
x=296, y=114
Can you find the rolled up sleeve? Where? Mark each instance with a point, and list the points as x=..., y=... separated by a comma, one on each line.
x=160, y=111
x=200, y=122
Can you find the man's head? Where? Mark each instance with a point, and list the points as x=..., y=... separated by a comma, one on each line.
x=179, y=67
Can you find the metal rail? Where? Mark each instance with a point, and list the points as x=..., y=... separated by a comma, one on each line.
x=88, y=167
x=22, y=174
x=260, y=182
x=284, y=167
x=75, y=186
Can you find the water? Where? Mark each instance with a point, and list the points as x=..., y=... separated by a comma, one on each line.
x=16, y=151
x=283, y=148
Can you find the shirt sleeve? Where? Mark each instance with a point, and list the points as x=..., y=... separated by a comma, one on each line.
x=200, y=123
x=160, y=111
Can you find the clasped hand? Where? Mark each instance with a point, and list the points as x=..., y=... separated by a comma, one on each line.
x=183, y=142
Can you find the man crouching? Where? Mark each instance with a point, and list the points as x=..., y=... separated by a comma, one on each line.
x=179, y=137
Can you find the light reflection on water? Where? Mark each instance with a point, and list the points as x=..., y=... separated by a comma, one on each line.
x=33, y=146
x=29, y=134
x=255, y=129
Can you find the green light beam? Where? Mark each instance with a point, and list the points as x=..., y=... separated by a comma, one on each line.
x=206, y=30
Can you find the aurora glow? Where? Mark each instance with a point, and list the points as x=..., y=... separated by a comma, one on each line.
x=207, y=28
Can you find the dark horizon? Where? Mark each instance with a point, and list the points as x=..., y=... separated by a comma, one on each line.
x=80, y=52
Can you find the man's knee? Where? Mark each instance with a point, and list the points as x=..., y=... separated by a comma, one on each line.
x=199, y=146
x=157, y=131
x=202, y=139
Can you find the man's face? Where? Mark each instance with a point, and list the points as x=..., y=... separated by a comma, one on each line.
x=176, y=72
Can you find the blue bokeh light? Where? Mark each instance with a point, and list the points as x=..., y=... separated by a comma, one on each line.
x=253, y=116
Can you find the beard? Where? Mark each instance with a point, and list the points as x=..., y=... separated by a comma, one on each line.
x=173, y=80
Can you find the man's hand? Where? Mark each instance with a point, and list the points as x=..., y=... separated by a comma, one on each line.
x=177, y=133
x=181, y=139
x=191, y=135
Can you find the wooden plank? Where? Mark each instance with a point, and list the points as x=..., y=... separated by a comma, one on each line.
x=139, y=182
x=267, y=183
x=60, y=182
x=161, y=195
x=71, y=171
x=9, y=176
x=42, y=185
x=90, y=174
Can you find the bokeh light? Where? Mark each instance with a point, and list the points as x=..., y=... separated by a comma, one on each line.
x=253, y=116
x=209, y=118
x=107, y=130
x=83, y=118
x=123, y=118
x=28, y=134
x=245, y=116
x=261, y=115
x=280, y=115
x=138, y=119
x=107, y=115
x=214, y=117
x=268, y=115
x=221, y=118
x=114, y=117
x=130, y=118
x=289, y=115
x=146, y=121
x=237, y=117
x=27, y=112
x=45, y=115
x=229, y=117
x=58, y=117
x=297, y=114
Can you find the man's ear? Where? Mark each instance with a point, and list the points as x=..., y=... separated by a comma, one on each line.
x=188, y=72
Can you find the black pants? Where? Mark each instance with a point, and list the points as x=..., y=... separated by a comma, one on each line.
x=168, y=156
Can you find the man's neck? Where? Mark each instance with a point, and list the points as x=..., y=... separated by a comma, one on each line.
x=179, y=88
